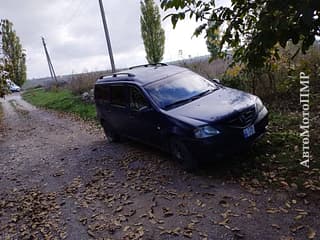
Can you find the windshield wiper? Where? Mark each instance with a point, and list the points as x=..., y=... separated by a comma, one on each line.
x=203, y=93
x=180, y=102
x=170, y=105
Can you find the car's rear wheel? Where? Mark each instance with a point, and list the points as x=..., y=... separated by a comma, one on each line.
x=183, y=156
x=110, y=133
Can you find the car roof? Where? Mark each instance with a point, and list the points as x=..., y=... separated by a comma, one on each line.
x=144, y=74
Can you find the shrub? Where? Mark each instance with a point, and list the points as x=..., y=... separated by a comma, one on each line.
x=83, y=82
x=202, y=66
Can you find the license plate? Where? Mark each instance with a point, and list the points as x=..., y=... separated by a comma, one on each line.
x=249, y=131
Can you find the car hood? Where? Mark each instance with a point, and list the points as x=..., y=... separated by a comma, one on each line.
x=218, y=105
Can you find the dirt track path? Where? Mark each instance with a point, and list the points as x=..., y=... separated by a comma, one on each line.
x=60, y=178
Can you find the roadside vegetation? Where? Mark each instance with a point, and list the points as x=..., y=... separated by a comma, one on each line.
x=84, y=82
x=253, y=31
x=62, y=100
x=275, y=159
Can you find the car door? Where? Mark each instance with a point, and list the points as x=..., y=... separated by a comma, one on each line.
x=118, y=108
x=144, y=120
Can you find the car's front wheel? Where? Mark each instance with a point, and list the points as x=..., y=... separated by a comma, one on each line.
x=110, y=133
x=183, y=156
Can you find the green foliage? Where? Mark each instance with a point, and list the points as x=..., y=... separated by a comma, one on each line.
x=234, y=82
x=213, y=42
x=279, y=79
x=62, y=100
x=253, y=29
x=14, y=55
x=152, y=33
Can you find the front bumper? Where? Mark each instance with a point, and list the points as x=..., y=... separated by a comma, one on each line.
x=229, y=141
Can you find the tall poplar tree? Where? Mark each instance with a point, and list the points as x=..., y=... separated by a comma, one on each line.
x=152, y=33
x=13, y=53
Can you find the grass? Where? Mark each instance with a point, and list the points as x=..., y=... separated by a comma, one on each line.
x=61, y=100
x=275, y=160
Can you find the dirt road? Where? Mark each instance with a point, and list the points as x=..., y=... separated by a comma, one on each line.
x=60, y=179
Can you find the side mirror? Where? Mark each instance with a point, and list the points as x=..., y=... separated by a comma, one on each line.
x=216, y=80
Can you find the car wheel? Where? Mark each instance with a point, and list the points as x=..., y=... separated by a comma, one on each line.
x=183, y=156
x=110, y=133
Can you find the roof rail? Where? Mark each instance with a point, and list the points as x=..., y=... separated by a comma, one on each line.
x=123, y=73
x=117, y=74
x=149, y=65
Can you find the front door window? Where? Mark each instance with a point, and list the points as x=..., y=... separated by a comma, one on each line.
x=137, y=100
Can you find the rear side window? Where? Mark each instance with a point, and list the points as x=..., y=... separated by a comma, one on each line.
x=102, y=92
x=118, y=95
x=97, y=92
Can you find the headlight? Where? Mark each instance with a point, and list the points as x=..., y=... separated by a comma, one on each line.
x=205, y=131
x=259, y=105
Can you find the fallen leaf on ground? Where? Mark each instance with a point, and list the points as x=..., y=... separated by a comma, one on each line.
x=311, y=233
x=275, y=226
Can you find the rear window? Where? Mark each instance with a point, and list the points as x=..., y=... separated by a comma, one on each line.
x=118, y=95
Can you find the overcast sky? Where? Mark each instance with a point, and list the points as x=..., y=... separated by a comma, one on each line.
x=75, y=38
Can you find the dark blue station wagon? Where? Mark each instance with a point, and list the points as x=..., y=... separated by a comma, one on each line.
x=177, y=110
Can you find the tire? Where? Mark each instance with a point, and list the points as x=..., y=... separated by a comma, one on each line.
x=110, y=133
x=183, y=156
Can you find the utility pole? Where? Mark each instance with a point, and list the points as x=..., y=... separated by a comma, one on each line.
x=51, y=69
x=113, y=68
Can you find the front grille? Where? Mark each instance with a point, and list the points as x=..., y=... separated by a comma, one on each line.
x=244, y=119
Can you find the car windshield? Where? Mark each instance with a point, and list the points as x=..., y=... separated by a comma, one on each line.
x=179, y=89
